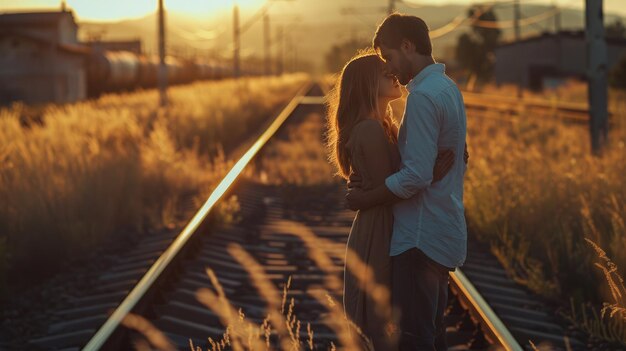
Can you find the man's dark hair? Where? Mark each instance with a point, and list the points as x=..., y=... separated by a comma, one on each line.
x=397, y=27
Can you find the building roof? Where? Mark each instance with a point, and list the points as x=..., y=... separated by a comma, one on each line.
x=562, y=34
x=29, y=18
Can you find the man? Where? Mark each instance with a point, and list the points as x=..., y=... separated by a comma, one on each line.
x=429, y=234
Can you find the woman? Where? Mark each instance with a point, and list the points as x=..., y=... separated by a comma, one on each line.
x=362, y=140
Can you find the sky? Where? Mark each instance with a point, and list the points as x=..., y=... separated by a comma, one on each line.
x=112, y=10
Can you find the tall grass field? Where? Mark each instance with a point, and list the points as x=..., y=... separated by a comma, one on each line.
x=95, y=171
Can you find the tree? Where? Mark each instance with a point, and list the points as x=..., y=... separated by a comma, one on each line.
x=475, y=50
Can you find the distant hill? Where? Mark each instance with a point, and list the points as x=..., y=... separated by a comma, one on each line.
x=313, y=27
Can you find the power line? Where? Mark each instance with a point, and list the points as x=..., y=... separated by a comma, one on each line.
x=511, y=23
x=540, y=28
x=459, y=21
x=555, y=11
x=410, y=4
x=257, y=16
x=450, y=27
x=462, y=18
x=198, y=35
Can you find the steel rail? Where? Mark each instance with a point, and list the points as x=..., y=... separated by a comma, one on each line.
x=490, y=322
x=533, y=102
x=154, y=273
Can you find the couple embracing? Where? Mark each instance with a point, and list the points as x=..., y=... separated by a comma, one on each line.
x=406, y=183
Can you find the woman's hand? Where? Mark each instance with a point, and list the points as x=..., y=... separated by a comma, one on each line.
x=443, y=164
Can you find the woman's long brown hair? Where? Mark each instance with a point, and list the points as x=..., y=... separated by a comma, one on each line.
x=353, y=99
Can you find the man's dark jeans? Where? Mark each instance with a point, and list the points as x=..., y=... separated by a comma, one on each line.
x=420, y=295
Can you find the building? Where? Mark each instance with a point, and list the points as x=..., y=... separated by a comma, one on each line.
x=550, y=58
x=40, y=58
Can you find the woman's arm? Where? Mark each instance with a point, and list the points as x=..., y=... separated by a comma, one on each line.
x=358, y=199
x=375, y=160
x=374, y=146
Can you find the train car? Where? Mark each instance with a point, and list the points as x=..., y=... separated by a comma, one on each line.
x=190, y=71
x=222, y=70
x=212, y=70
x=203, y=71
x=112, y=71
x=148, y=71
x=176, y=72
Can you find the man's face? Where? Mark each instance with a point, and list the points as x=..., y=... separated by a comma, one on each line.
x=397, y=63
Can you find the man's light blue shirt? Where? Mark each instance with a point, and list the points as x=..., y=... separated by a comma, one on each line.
x=431, y=217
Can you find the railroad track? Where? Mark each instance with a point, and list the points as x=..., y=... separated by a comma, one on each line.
x=528, y=108
x=159, y=280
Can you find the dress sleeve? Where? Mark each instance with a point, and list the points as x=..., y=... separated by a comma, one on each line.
x=373, y=145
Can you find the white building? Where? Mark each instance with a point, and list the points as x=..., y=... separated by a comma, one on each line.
x=40, y=58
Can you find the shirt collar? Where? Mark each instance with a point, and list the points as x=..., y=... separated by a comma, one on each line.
x=434, y=67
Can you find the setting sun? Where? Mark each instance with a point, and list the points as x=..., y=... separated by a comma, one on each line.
x=120, y=9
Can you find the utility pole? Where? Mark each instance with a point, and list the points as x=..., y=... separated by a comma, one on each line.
x=162, y=66
x=392, y=7
x=296, y=63
x=557, y=17
x=267, y=43
x=281, y=50
x=557, y=34
x=289, y=66
x=236, y=43
x=518, y=35
x=596, y=74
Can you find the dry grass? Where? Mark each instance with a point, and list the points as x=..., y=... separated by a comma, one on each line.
x=535, y=193
x=609, y=323
x=531, y=189
x=298, y=158
x=296, y=162
x=118, y=164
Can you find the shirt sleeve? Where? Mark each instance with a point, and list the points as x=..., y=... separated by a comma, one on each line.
x=422, y=125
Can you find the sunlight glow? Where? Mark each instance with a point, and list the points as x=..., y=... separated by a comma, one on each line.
x=113, y=10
